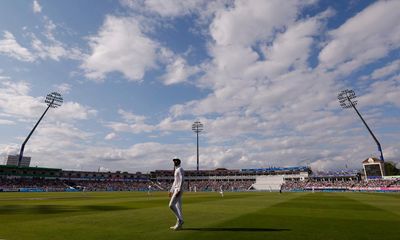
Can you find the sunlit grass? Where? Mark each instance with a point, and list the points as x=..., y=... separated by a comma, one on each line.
x=134, y=215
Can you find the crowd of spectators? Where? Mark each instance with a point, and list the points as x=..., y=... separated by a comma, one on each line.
x=24, y=184
x=209, y=185
x=94, y=186
x=50, y=185
x=376, y=183
x=53, y=185
x=309, y=185
x=293, y=185
x=395, y=184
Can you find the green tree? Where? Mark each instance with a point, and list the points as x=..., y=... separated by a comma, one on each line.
x=390, y=169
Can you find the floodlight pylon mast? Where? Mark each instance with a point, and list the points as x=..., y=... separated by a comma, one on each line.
x=53, y=100
x=345, y=99
x=197, y=127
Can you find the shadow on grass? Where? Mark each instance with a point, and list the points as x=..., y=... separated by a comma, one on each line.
x=235, y=229
x=55, y=209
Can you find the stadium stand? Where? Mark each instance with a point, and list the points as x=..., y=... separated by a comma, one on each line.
x=30, y=179
x=340, y=185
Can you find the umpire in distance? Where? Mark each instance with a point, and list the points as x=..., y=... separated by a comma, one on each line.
x=175, y=204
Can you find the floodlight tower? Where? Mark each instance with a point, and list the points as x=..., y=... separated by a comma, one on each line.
x=53, y=100
x=197, y=127
x=345, y=99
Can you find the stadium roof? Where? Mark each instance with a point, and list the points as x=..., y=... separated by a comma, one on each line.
x=372, y=160
x=29, y=168
x=271, y=169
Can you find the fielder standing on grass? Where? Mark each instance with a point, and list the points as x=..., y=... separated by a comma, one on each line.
x=175, y=204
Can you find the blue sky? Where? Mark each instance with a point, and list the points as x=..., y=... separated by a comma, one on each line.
x=263, y=77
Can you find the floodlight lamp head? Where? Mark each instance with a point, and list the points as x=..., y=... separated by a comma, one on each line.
x=197, y=126
x=54, y=100
x=345, y=98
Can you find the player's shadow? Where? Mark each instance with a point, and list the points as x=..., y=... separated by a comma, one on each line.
x=236, y=229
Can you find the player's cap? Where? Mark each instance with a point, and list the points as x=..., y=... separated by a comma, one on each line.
x=177, y=160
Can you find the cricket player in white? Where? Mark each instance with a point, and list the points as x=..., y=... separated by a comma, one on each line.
x=176, y=194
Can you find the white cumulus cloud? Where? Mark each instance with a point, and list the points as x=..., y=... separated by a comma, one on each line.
x=178, y=71
x=366, y=37
x=391, y=68
x=36, y=7
x=10, y=47
x=120, y=46
x=171, y=8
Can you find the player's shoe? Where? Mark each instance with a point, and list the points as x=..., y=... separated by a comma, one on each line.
x=173, y=227
x=179, y=225
x=177, y=228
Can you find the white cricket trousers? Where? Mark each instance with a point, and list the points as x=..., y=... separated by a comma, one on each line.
x=176, y=205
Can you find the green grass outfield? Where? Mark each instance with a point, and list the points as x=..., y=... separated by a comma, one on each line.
x=134, y=215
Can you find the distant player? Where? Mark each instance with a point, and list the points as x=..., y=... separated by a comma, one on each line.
x=149, y=190
x=175, y=193
x=221, y=191
x=84, y=190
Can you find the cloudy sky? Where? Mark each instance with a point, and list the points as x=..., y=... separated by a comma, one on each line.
x=262, y=76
